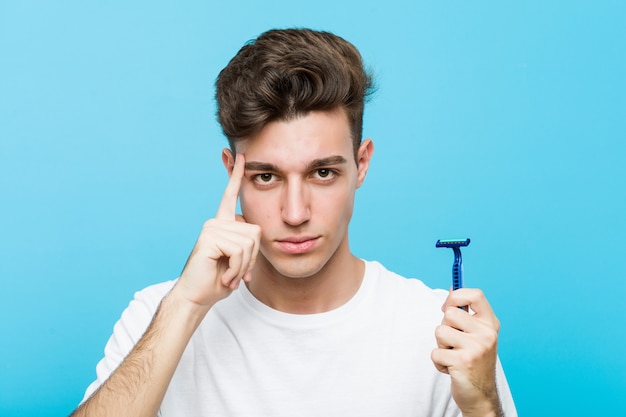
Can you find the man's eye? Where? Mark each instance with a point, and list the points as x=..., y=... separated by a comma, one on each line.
x=264, y=179
x=325, y=174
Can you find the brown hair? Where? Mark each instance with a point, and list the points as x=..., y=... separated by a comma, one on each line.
x=284, y=74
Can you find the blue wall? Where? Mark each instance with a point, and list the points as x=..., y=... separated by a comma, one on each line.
x=501, y=121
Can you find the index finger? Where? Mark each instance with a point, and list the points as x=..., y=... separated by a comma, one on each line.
x=228, y=205
x=473, y=297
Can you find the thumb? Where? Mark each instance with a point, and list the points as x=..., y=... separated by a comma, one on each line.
x=240, y=218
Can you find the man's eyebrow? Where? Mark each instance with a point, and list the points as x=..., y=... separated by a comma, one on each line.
x=316, y=163
x=331, y=160
x=261, y=166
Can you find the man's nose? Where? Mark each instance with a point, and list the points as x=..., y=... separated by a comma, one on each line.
x=295, y=208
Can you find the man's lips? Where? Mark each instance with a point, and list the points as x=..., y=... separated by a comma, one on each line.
x=295, y=245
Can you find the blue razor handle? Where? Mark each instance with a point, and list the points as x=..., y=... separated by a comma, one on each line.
x=457, y=270
x=457, y=265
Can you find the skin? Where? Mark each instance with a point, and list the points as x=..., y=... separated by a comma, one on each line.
x=296, y=181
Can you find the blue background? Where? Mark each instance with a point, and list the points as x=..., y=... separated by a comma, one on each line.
x=500, y=121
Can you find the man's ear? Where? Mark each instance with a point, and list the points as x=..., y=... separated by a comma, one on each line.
x=228, y=159
x=363, y=157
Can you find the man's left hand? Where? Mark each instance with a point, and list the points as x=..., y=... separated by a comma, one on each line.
x=467, y=351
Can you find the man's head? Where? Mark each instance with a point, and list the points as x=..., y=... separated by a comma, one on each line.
x=285, y=74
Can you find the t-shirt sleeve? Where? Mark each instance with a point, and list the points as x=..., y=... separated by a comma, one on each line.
x=504, y=392
x=127, y=331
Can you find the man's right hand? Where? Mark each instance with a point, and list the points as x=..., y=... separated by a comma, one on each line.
x=225, y=251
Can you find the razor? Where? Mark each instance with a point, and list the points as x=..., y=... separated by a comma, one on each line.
x=457, y=265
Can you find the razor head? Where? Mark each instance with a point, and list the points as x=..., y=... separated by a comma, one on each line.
x=452, y=243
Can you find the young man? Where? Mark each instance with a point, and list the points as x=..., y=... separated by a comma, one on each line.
x=272, y=314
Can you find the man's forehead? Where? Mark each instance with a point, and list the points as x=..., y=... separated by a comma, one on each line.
x=337, y=118
x=301, y=142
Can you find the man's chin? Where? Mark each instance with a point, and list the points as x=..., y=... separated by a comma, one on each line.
x=296, y=267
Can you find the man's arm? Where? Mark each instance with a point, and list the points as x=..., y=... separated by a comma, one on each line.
x=468, y=351
x=138, y=385
x=224, y=254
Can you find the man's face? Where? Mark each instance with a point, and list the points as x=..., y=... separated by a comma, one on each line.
x=299, y=186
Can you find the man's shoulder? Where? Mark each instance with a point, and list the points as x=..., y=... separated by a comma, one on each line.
x=150, y=297
x=400, y=284
x=156, y=290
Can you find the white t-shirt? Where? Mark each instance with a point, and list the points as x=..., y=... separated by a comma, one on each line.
x=369, y=357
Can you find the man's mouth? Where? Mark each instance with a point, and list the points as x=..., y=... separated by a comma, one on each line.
x=297, y=245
